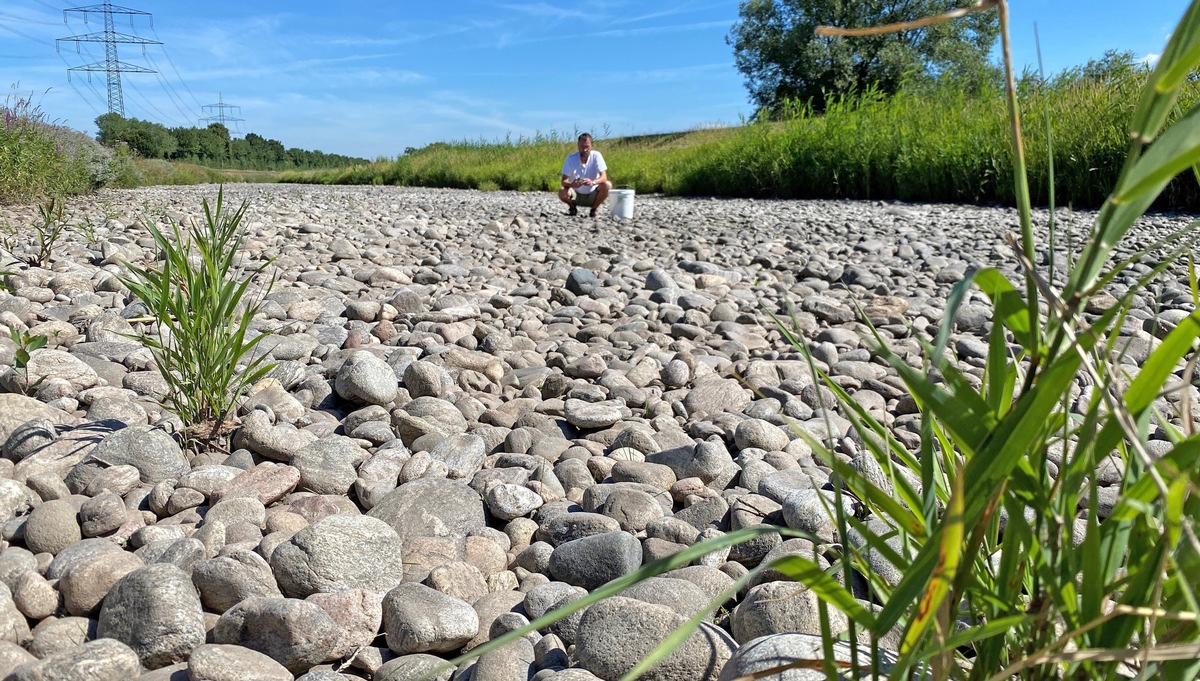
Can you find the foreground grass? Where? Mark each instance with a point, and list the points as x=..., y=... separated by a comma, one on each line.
x=937, y=143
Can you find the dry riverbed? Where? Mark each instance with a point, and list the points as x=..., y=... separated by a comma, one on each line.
x=482, y=409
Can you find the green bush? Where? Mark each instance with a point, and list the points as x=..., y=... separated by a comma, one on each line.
x=39, y=159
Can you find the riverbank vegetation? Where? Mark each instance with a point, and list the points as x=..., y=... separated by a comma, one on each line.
x=932, y=142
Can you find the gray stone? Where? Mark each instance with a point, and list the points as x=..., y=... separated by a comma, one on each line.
x=759, y=434
x=227, y=580
x=711, y=397
x=329, y=465
x=366, y=379
x=359, y=614
x=775, y=650
x=223, y=662
x=85, y=585
x=566, y=527
x=101, y=514
x=606, y=648
x=55, y=635
x=593, y=561
x=419, y=619
x=781, y=607
x=104, y=659
x=463, y=455
x=415, y=667
x=296, y=634
x=680, y=595
x=594, y=415
x=812, y=510
x=426, y=379
x=153, y=452
x=15, y=498
x=431, y=508
x=632, y=509
x=13, y=627
x=48, y=363
x=13, y=656
x=275, y=442
x=74, y=554
x=52, y=527
x=156, y=611
x=506, y=502
x=514, y=660
x=339, y=552
x=16, y=410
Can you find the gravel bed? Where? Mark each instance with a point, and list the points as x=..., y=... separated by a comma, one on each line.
x=482, y=410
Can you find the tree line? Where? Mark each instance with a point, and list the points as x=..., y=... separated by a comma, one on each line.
x=212, y=146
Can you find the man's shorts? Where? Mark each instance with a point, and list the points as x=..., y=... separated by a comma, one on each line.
x=582, y=199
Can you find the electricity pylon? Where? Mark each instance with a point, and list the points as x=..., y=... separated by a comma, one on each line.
x=111, y=66
x=220, y=116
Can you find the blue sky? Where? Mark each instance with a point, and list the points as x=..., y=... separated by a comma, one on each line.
x=372, y=78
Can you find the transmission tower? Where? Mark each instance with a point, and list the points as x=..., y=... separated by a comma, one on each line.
x=111, y=66
x=220, y=116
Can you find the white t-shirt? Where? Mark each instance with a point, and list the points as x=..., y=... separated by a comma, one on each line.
x=574, y=168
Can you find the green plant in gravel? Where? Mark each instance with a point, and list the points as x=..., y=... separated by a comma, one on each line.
x=1013, y=564
x=26, y=344
x=199, y=295
x=46, y=234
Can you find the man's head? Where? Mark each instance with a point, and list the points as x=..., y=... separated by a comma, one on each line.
x=585, y=145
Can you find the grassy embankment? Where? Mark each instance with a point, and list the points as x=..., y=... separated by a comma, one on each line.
x=937, y=144
x=40, y=159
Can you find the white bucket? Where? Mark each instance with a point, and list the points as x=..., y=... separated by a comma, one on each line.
x=622, y=206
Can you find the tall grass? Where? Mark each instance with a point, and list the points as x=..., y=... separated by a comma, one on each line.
x=40, y=159
x=930, y=143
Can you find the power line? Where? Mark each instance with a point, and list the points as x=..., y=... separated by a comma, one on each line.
x=172, y=93
x=23, y=20
x=172, y=63
x=49, y=6
x=149, y=103
x=25, y=35
x=85, y=99
x=91, y=87
x=112, y=66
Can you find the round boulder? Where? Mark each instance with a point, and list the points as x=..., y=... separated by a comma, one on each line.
x=153, y=452
x=431, y=507
x=339, y=552
x=616, y=633
x=156, y=611
x=294, y=633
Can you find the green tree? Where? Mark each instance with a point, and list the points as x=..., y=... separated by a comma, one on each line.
x=775, y=47
x=112, y=129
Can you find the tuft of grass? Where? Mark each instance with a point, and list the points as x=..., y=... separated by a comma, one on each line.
x=198, y=294
x=47, y=234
